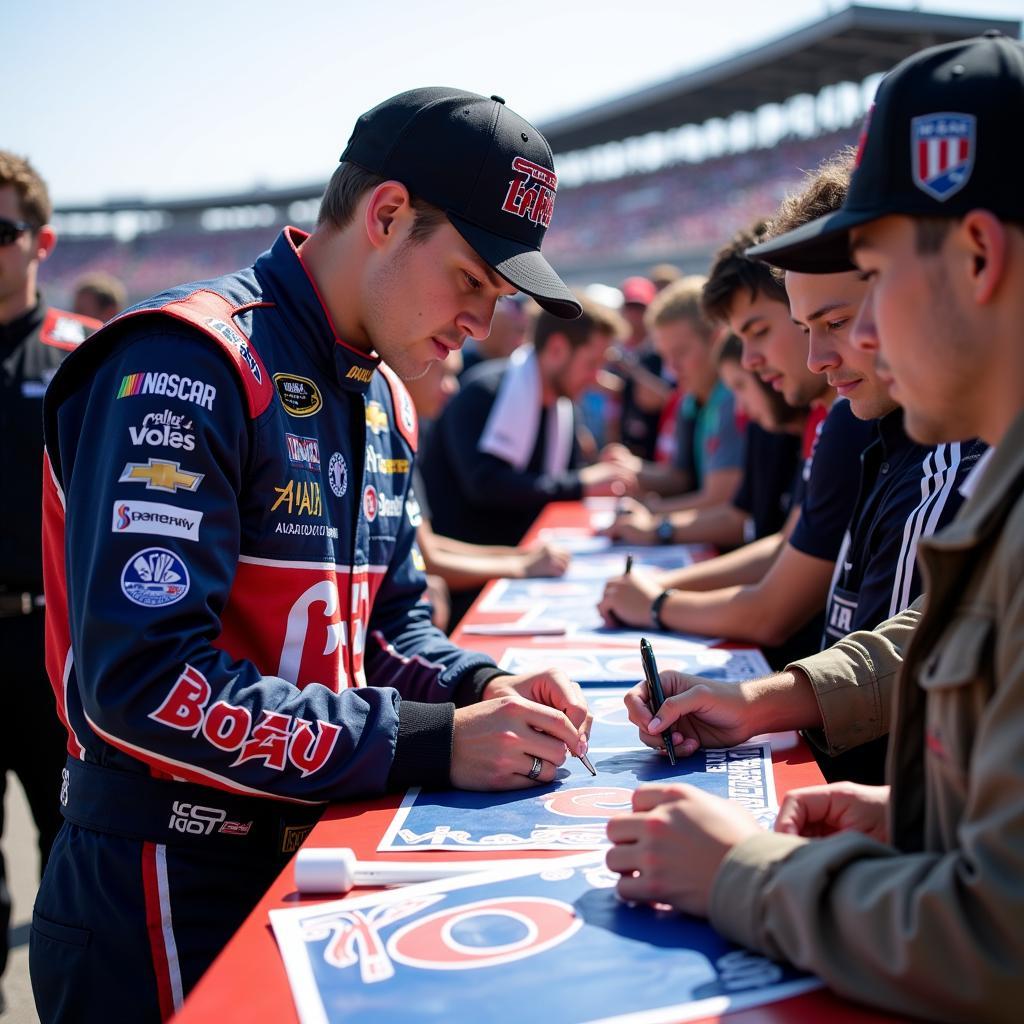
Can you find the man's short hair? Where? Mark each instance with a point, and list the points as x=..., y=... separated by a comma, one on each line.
x=350, y=182
x=733, y=272
x=681, y=300
x=33, y=195
x=824, y=191
x=106, y=289
x=595, y=319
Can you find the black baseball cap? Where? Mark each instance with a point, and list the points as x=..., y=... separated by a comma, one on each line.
x=489, y=170
x=944, y=137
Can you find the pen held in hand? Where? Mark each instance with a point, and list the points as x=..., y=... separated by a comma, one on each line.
x=657, y=694
x=583, y=757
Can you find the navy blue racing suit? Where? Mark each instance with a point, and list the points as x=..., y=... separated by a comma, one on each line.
x=236, y=627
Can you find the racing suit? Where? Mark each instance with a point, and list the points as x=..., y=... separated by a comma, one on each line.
x=229, y=561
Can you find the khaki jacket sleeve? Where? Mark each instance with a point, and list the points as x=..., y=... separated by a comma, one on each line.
x=854, y=680
x=936, y=934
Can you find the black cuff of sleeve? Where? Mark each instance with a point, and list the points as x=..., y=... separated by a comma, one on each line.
x=471, y=689
x=423, y=750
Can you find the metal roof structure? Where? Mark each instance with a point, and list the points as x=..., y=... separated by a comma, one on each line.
x=847, y=46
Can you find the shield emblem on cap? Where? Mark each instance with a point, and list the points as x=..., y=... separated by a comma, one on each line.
x=942, y=153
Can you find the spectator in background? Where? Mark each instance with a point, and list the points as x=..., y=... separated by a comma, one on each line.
x=707, y=464
x=505, y=446
x=664, y=274
x=508, y=331
x=598, y=406
x=100, y=296
x=772, y=478
x=34, y=339
x=456, y=570
x=643, y=392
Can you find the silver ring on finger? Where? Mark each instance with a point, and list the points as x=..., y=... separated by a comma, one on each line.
x=534, y=773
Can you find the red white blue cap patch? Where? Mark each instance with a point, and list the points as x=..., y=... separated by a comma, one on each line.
x=942, y=151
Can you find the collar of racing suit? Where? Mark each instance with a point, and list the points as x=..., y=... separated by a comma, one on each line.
x=299, y=301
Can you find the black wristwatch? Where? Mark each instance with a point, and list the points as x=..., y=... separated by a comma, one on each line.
x=656, y=608
x=664, y=531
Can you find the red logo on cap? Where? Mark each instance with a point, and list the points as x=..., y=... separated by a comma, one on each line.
x=531, y=193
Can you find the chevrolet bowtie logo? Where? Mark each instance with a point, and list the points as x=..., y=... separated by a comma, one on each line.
x=160, y=475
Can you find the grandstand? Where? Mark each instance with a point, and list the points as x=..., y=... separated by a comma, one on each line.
x=665, y=173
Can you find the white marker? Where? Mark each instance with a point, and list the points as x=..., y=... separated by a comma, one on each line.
x=337, y=870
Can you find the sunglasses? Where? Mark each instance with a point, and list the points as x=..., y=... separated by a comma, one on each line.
x=11, y=229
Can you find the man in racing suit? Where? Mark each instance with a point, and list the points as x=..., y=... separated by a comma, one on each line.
x=236, y=630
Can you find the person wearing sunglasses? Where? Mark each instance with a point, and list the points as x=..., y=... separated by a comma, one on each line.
x=34, y=338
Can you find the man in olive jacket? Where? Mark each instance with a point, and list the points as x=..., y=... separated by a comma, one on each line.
x=908, y=896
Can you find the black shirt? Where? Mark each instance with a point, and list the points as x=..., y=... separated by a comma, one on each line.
x=477, y=497
x=31, y=349
x=772, y=475
x=831, y=486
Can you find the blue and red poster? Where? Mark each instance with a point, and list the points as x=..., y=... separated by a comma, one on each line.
x=593, y=666
x=517, y=945
x=572, y=813
x=573, y=599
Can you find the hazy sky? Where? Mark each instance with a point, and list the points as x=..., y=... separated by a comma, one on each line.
x=118, y=98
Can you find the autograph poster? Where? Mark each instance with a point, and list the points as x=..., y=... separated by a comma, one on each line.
x=514, y=945
x=572, y=812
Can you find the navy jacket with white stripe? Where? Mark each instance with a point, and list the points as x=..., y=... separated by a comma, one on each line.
x=907, y=491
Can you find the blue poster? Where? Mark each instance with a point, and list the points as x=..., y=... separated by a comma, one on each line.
x=595, y=667
x=603, y=565
x=573, y=603
x=573, y=599
x=611, y=728
x=509, y=946
x=572, y=812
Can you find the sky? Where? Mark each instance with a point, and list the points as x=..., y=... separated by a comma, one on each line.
x=149, y=99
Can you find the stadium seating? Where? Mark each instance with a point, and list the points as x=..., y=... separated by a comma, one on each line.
x=682, y=209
